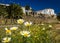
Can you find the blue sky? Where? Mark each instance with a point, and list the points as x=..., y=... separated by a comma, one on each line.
x=37, y=4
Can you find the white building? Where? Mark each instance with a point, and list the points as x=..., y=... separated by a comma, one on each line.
x=4, y=4
x=28, y=11
x=46, y=11
x=23, y=8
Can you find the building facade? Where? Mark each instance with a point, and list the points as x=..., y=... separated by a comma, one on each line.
x=47, y=12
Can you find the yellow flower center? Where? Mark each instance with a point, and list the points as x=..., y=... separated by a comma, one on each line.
x=6, y=40
x=25, y=35
x=28, y=24
x=8, y=31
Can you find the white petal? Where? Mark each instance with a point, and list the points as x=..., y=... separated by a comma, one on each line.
x=6, y=29
x=28, y=36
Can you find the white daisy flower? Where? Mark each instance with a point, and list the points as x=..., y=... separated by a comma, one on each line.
x=8, y=31
x=20, y=21
x=25, y=33
x=50, y=25
x=6, y=39
x=13, y=28
x=28, y=24
x=43, y=28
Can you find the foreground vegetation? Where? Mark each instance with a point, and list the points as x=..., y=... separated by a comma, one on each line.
x=28, y=32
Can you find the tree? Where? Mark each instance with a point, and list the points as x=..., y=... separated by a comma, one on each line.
x=27, y=8
x=3, y=12
x=14, y=10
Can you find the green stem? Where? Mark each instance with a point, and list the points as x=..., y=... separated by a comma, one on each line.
x=24, y=40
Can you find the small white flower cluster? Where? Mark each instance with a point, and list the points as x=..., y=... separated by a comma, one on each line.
x=21, y=21
x=27, y=24
x=50, y=26
x=23, y=33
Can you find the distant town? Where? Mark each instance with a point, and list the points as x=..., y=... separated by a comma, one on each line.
x=15, y=11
